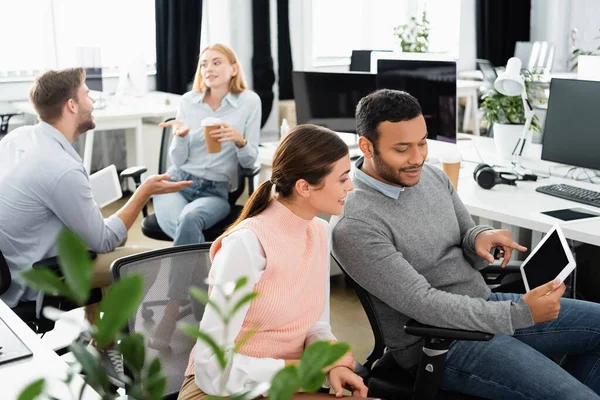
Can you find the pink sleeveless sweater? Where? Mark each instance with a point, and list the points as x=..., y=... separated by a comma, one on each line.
x=292, y=287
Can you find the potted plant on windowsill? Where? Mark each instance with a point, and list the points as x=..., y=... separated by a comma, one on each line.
x=413, y=37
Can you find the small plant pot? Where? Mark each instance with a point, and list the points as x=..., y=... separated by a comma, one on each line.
x=506, y=138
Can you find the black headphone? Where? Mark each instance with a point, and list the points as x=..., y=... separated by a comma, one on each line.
x=487, y=177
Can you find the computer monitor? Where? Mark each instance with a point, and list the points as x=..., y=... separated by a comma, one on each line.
x=571, y=131
x=488, y=71
x=93, y=79
x=433, y=83
x=329, y=98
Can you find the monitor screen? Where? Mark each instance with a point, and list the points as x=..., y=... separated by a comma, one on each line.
x=93, y=78
x=329, y=98
x=433, y=83
x=571, y=131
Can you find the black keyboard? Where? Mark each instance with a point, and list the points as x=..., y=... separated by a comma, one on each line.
x=584, y=196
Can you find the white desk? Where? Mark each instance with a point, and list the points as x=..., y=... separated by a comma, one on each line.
x=126, y=114
x=470, y=90
x=44, y=363
x=519, y=205
x=478, y=75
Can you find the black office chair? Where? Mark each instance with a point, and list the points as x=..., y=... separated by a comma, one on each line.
x=155, y=266
x=150, y=227
x=5, y=116
x=26, y=310
x=388, y=380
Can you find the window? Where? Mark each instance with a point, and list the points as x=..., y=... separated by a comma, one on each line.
x=340, y=26
x=39, y=34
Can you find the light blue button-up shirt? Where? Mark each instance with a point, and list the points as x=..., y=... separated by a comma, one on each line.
x=382, y=187
x=242, y=111
x=43, y=188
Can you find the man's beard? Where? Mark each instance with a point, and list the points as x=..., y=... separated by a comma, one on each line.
x=86, y=125
x=388, y=173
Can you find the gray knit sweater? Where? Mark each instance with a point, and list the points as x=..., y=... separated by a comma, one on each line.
x=415, y=256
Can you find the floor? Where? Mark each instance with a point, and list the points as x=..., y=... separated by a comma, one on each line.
x=348, y=320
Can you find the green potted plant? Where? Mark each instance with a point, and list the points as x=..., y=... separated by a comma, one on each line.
x=505, y=115
x=147, y=381
x=413, y=37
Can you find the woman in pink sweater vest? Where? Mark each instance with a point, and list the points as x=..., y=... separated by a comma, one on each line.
x=281, y=246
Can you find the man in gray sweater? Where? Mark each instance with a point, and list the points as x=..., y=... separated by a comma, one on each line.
x=406, y=238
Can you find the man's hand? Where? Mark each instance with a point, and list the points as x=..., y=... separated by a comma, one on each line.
x=544, y=301
x=180, y=128
x=160, y=184
x=496, y=238
x=340, y=377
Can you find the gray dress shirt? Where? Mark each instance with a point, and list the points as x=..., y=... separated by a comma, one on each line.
x=43, y=188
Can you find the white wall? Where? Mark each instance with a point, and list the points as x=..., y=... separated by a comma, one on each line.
x=553, y=20
x=467, y=38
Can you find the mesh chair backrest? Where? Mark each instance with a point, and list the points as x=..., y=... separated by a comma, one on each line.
x=365, y=300
x=168, y=274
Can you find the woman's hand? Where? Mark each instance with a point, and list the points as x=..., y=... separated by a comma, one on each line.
x=180, y=128
x=340, y=377
x=347, y=361
x=227, y=133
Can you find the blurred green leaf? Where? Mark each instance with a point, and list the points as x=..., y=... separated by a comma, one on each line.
x=241, y=302
x=196, y=333
x=44, y=280
x=133, y=351
x=243, y=339
x=33, y=390
x=95, y=375
x=202, y=297
x=240, y=283
x=315, y=358
x=155, y=383
x=118, y=305
x=75, y=264
x=284, y=384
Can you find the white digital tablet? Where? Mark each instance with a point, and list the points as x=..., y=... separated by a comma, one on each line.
x=550, y=259
x=106, y=187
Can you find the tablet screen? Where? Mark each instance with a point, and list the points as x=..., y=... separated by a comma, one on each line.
x=547, y=262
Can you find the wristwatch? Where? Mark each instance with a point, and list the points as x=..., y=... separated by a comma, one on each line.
x=243, y=143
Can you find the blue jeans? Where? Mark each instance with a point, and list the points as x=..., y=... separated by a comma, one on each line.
x=519, y=367
x=185, y=214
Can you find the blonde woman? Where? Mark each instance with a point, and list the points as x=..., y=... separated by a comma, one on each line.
x=219, y=91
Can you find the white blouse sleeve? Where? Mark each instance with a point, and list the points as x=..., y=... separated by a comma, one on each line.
x=321, y=330
x=241, y=255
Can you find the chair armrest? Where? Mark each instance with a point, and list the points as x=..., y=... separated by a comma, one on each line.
x=250, y=172
x=135, y=173
x=511, y=267
x=415, y=328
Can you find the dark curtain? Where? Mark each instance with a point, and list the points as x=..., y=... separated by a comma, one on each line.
x=284, y=51
x=500, y=25
x=178, y=24
x=262, y=61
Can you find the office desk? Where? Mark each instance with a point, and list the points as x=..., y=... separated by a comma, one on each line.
x=477, y=75
x=44, y=363
x=124, y=114
x=519, y=205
